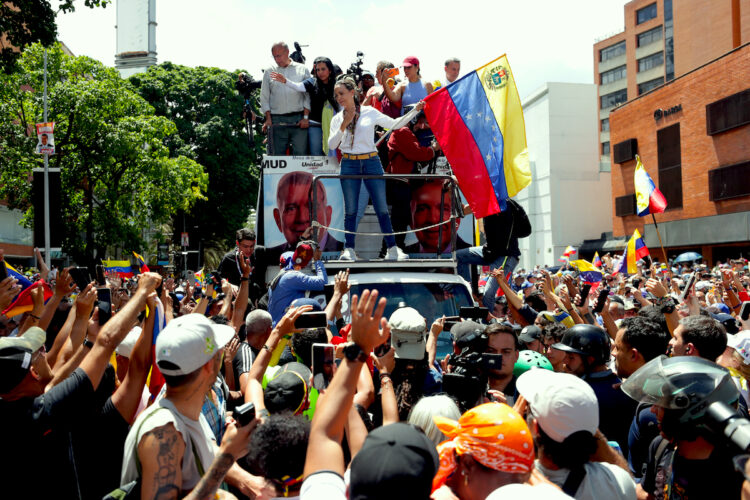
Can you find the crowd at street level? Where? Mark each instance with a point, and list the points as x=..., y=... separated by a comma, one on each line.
x=562, y=388
x=582, y=401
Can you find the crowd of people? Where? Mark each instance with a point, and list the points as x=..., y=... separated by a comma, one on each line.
x=559, y=389
x=234, y=387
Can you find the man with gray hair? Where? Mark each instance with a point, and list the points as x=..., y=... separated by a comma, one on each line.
x=452, y=69
x=257, y=330
x=286, y=110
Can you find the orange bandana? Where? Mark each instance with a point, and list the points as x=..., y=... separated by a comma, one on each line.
x=493, y=434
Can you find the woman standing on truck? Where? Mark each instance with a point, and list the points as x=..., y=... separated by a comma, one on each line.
x=353, y=132
x=411, y=91
x=322, y=103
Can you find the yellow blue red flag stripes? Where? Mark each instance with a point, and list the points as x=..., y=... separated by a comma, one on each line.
x=23, y=301
x=141, y=263
x=121, y=267
x=635, y=250
x=478, y=122
x=648, y=198
x=597, y=260
x=588, y=272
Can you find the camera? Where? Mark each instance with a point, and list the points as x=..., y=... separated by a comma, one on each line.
x=725, y=421
x=245, y=85
x=244, y=414
x=355, y=69
x=467, y=381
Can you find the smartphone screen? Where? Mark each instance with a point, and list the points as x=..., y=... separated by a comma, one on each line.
x=104, y=294
x=585, y=289
x=745, y=311
x=315, y=319
x=105, y=304
x=100, y=279
x=323, y=365
x=81, y=277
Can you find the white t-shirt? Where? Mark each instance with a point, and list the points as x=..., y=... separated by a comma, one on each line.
x=364, y=132
x=528, y=492
x=323, y=485
x=602, y=480
x=194, y=432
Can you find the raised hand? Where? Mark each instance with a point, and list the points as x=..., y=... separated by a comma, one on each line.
x=369, y=327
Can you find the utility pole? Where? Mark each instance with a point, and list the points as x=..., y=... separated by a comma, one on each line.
x=47, y=257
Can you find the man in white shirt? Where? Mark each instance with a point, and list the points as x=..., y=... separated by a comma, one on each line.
x=286, y=110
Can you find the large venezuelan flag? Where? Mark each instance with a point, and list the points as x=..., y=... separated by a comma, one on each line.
x=648, y=198
x=478, y=122
x=121, y=267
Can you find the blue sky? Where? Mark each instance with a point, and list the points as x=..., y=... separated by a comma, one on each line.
x=546, y=40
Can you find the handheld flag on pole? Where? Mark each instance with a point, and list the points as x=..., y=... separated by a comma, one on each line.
x=597, y=260
x=635, y=250
x=121, y=267
x=478, y=122
x=648, y=198
x=141, y=263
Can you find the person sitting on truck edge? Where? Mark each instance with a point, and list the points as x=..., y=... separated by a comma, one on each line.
x=353, y=131
x=293, y=283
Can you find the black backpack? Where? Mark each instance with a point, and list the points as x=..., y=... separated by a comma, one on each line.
x=521, y=223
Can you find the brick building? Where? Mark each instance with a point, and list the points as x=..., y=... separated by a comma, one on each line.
x=674, y=87
x=662, y=40
x=693, y=137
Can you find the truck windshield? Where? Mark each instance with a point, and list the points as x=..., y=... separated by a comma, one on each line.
x=432, y=300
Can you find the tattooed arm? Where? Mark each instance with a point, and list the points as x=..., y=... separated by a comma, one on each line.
x=160, y=452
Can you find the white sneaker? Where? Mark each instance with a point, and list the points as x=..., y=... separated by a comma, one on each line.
x=348, y=254
x=395, y=253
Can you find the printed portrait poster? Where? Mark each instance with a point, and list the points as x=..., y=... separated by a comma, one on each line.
x=287, y=193
x=45, y=138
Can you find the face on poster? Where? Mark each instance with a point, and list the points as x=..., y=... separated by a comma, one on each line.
x=287, y=194
x=45, y=138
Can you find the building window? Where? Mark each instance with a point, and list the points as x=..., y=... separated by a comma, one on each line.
x=605, y=125
x=605, y=148
x=625, y=205
x=613, y=75
x=613, y=99
x=650, y=85
x=648, y=37
x=651, y=61
x=729, y=182
x=612, y=51
x=670, y=164
x=645, y=14
x=668, y=40
x=728, y=113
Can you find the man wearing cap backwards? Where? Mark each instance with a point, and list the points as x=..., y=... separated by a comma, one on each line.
x=293, y=283
x=170, y=444
x=396, y=460
x=45, y=424
x=563, y=416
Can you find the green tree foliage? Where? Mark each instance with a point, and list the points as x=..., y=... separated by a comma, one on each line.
x=24, y=22
x=118, y=176
x=207, y=110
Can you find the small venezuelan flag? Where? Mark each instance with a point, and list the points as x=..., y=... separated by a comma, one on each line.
x=23, y=302
x=141, y=263
x=478, y=122
x=121, y=267
x=635, y=251
x=597, y=260
x=589, y=273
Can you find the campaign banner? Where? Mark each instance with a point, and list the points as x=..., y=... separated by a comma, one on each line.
x=287, y=195
x=45, y=138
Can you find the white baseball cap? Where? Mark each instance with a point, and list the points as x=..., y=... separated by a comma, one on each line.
x=562, y=403
x=128, y=343
x=740, y=342
x=408, y=333
x=189, y=342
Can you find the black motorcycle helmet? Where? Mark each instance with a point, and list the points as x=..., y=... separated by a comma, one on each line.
x=586, y=340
